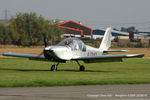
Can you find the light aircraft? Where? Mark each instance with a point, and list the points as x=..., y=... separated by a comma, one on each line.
x=73, y=49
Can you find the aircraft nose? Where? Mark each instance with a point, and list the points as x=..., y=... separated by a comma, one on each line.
x=51, y=50
x=49, y=53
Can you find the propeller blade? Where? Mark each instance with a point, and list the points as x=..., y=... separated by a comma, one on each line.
x=41, y=53
x=45, y=41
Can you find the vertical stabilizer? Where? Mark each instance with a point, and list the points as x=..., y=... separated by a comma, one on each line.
x=106, y=41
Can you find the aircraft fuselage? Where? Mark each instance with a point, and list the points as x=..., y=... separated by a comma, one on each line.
x=57, y=53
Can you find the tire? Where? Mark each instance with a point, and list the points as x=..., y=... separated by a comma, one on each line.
x=82, y=68
x=53, y=68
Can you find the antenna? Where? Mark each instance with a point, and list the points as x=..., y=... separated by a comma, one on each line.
x=6, y=14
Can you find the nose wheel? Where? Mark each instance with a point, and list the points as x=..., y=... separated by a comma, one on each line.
x=54, y=67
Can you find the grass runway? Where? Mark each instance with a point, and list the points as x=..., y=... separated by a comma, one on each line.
x=21, y=72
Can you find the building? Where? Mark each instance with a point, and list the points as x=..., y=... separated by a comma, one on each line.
x=75, y=29
x=4, y=22
x=99, y=33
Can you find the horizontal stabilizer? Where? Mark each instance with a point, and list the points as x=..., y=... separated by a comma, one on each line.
x=105, y=51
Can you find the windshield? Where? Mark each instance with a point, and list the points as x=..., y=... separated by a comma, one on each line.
x=73, y=43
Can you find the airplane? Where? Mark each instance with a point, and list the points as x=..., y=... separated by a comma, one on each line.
x=73, y=49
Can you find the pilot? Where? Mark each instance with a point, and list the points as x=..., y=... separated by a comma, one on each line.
x=67, y=42
x=75, y=45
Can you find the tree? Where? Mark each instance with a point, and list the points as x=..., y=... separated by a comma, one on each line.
x=129, y=29
x=4, y=35
x=30, y=29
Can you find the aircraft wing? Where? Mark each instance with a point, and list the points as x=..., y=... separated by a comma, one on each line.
x=30, y=56
x=107, y=58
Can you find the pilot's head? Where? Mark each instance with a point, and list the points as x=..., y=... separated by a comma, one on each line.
x=67, y=43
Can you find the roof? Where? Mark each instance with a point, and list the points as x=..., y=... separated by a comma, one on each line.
x=114, y=33
x=72, y=25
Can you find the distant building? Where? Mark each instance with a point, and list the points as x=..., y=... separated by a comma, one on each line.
x=99, y=33
x=4, y=22
x=75, y=29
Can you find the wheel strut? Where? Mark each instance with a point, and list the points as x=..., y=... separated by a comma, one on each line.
x=82, y=68
x=54, y=67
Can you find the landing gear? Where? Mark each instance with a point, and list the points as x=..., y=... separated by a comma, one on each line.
x=82, y=68
x=54, y=67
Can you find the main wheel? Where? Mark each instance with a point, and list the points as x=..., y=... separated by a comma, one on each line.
x=53, y=68
x=82, y=68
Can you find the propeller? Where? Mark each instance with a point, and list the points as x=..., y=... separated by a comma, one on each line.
x=45, y=41
x=41, y=53
x=45, y=44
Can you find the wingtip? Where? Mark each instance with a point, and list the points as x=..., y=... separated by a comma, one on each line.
x=5, y=53
x=139, y=55
x=142, y=55
x=125, y=50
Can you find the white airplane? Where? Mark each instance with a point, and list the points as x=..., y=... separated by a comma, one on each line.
x=73, y=49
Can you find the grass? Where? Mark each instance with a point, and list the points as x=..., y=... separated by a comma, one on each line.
x=20, y=72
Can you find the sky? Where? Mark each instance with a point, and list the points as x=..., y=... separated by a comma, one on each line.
x=97, y=14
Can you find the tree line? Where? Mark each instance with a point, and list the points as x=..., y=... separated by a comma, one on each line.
x=28, y=29
x=128, y=29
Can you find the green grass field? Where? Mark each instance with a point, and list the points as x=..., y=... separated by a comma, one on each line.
x=20, y=72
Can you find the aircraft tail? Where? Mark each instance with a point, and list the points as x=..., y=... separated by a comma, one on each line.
x=106, y=41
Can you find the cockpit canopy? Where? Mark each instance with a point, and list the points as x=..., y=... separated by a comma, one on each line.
x=73, y=43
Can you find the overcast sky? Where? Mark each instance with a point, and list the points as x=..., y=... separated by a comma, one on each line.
x=93, y=13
